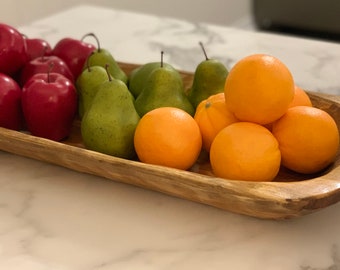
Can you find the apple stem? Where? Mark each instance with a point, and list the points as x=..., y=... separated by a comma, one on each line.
x=50, y=67
x=44, y=53
x=95, y=37
x=162, y=53
x=43, y=56
x=205, y=53
x=107, y=72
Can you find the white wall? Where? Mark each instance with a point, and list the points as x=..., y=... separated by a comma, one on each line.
x=225, y=12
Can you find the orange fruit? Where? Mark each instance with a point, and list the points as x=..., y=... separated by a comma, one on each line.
x=259, y=89
x=245, y=151
x=168, y=136
x=212, y=115
x=300, y=98
x=308, y=139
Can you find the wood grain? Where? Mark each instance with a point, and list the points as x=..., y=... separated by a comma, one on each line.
x=290, y=195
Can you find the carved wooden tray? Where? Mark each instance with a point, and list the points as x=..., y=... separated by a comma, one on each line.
x=290, y=195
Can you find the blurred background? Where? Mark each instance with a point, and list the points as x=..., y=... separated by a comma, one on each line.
x=308, y=18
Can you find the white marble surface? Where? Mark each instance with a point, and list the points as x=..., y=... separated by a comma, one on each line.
x=56, y=219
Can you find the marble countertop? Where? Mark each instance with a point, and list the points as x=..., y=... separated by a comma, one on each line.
x=57, y=219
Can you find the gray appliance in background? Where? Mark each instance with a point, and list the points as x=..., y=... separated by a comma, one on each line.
x=319, y=18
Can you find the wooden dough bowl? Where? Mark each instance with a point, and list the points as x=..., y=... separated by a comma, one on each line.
x=290, y=195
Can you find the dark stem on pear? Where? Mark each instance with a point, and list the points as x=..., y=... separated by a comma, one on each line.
x=162, y=53
x=88, y=62
x=107, y=72
x=50, y=67
x=95, y=37
x=205, y=53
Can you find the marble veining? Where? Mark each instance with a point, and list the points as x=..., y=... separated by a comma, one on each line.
x=139, y=38
x=52, y=218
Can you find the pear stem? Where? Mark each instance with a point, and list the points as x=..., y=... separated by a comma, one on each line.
x=205, y=53
x=95, y=37
x=162, y=53
x=88, y=62
x=107, y=72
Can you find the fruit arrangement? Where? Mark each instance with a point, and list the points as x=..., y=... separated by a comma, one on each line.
x=250, y=121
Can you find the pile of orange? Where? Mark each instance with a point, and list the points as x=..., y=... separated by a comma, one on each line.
x=261, y=122
x=278, y=125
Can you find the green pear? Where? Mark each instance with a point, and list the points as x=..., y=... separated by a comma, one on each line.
x=139, y=75
x=109, y=124
x=102, y=57
x=87, y=85
x=209, y=79
x=163, y=88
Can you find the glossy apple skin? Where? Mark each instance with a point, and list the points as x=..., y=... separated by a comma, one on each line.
x=43, y=65
x=37, y=47
x=49, y=104
x=13, y=50
x=11, y=116
x=74, y=52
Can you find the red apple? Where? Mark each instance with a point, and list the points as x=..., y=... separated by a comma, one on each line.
x=37, y=47
x=10, y=103
x=13, y=51
x=74, y=52
x=42, y=65
x=49, y=104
